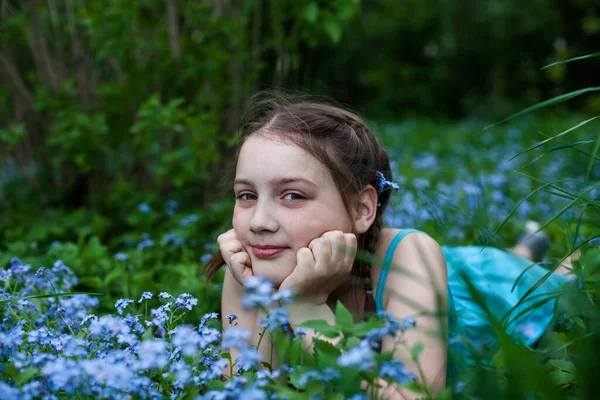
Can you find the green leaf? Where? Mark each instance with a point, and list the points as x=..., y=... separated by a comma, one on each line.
x=561, y=377
x=416, y=351
x=352, y=342
x=296, y=374
x=343, y=318
x=363, y=328
x=112, y=275
x=333, y=29
x=26, y=375
x=311, y=12
x=326, y=347
x=499, y=361
x=563, y=365
x=415, y=387
x=322, y=327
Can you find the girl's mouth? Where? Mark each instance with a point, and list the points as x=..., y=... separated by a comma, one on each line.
x=267, y=251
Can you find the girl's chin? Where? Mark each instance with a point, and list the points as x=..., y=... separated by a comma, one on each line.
x=275, y=273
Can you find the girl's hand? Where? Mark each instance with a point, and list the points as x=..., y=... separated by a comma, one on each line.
x=235, y=256
x=322, y=266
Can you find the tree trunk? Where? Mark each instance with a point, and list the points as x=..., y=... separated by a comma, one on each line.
x=173, y=22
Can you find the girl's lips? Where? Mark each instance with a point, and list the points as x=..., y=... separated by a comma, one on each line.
x=267, y=251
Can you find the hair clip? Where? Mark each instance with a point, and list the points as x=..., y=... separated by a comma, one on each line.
x=384, y=184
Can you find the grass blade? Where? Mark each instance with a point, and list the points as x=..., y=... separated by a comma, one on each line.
x=543, y=142
x=44, y=296
x=546, y=103
x=571, y=60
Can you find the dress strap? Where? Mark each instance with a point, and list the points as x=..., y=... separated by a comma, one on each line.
x=386, y=266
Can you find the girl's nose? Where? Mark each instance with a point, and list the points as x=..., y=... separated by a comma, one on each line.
x=262, y=218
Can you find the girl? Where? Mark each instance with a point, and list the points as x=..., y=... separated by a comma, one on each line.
x=311, y=186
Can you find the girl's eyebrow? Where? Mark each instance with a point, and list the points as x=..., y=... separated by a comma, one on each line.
x=277, y=181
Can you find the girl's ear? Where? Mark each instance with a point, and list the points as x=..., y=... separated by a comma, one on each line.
x=365, y=209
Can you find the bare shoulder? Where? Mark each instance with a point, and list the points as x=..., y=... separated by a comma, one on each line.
x=412, y=242
x=417, y=258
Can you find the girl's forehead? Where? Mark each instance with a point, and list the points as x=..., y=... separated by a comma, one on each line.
x=267, y=156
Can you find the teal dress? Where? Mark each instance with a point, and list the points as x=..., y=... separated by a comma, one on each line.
x=493, y=273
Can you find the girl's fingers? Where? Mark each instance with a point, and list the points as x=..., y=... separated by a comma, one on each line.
x=350, y=250
x=229, y=235
x=321, y=249
x=232, y=246
x=338, y=246
x=304, y=257
x=240, y=266
x=229, y=245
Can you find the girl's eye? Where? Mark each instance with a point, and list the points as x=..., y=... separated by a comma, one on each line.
x=246, y=196
x=293, y=196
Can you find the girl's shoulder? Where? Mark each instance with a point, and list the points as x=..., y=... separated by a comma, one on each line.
x=417, y=251
x=411, y=247
x=387, y=235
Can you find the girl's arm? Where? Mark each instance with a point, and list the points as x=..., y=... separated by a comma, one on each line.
x=420, y=292
x=231, y=303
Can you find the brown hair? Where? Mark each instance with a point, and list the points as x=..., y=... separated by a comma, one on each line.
x=341, y=141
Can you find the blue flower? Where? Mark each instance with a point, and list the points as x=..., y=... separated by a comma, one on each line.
x=361, y=357
x=358, y=396
x=258, y=293
x=108, y=327
x=234, y=337
x=189, y=219
x=144, y=244
x=375, y=336
x=173, y=239
x=208, y=336
x=171, y=207
x=15, y=262
x=5, y=275
x=103, y=372
x=8, y=392
x=207, y=316
x=120, y=256
x=213, y=395
x=122, y=304
x=231, y=318
x=407, y=322
x=164, y=296
x=187, y=339
x=63, y=375
x=215, y=370
x=153, y=354
x=186, y=301
x=276, y=318
x=160, y=315
x=396, y=371
x=31, y=390
x=144, y=208
x=327, y=375
x=248, y=358
x=300, y=331
x=284, y=296
x=145, y=296
x=182, y=372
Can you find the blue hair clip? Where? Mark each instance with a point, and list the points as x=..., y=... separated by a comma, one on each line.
x=384, y=184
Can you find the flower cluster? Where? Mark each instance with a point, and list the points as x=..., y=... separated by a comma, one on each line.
x=57, y=345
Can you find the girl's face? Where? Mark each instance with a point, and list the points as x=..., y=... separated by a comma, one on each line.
x=284, y=199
